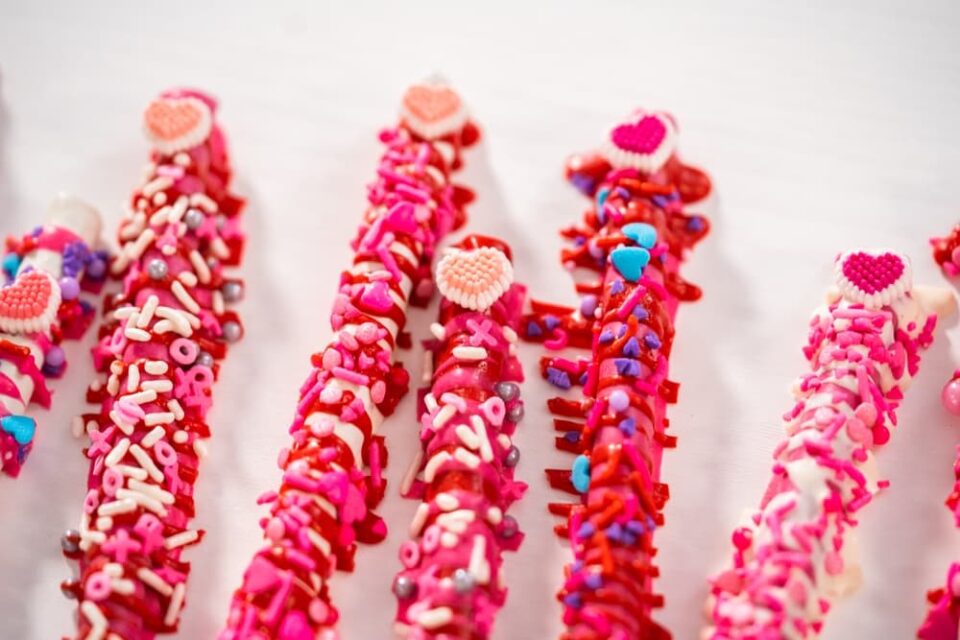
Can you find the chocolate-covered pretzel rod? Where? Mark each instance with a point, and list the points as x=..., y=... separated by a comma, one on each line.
x=40, y=306
x=795, y=555
x=942, y=621
x=632, y=242
x=332, y=472
x=451, y=584
x=158, y=350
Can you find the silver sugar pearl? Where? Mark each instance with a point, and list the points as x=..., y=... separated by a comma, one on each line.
x=232, y=331
x=193, y=219
x=69, y=540
x=507, y=390
x=205, y=359
x=513, y=457
x=509, y=527
x=157, y=269
x=463, y=581
x=232, y=291
x=515, y=413
x=404, y=588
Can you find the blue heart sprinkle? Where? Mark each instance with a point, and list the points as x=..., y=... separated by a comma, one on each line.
x=21, y=428
x=580, y=473
x=642, y=233
x=11, y=262
x=630, y=261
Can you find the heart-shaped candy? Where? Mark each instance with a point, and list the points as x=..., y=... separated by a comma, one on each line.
x=21, y=428
x=177, y=124
x=432, y=110
x=644, y=142
x=630, y=261
x=474, y=278
x=642, y=233
x=873, y=278
x=29, y=305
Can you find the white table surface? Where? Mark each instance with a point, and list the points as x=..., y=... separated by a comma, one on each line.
x=824, y=127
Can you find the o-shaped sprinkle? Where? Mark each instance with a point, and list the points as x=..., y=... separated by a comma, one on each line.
x=184, y=351
x=98, y=587
x=409, y=554
x=112, y=480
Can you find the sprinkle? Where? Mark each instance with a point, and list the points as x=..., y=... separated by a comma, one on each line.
x=469, y=353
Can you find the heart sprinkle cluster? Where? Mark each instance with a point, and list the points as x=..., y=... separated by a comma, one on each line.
x=157, y=353
x=631, y=243
x=451, y=584
x=333, y=470
x=40, y=306
x=795, y=555
x=644, y=141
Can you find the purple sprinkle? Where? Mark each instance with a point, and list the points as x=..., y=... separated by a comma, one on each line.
x=69, y=288
x=660, y=201
x=558, y=378
x=572, y=437
x=579, y=241
x=573, y=600
x=97, y=268
x=622, y=192
x=616, y=287
x=627, y=367
x=582, y=182
x=54, y=358
x=636, y=527
x=588, y=305
x=583, y=378
x=533, y=330
x=640, y=313
x=606, y=336
x=628, y=426
x=622, y=331
x=550, y=322
x=586, y=530
x=631, y=348
x=594, y=581
x=695, y=224
x=615, y=532
x=652, y=341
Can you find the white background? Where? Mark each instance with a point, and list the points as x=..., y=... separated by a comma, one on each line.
x=825, y=127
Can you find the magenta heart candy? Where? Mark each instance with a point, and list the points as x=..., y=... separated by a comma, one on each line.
x=874, y=279
x=644, y=136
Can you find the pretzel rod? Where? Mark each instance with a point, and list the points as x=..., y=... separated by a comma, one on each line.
x=796, y=555
x=451, y=584
x=942, y=621
x=158, y=350
x=39, y=308
x=332, y=471
x=634, y=237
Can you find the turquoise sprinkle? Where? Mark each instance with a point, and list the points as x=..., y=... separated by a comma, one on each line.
x=642, y=233
x=580, y=473
x=21, y=428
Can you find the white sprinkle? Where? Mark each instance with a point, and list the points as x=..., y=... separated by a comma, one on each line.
x=174, y=406
x=438, y=331
x=156, y=367
x=160, y=386
x=143, y=500
x=434, y=463
x=430, y=402
x=122, y=424
x=141, y=397
x=146, y=462
x=160, y=218
x=318, y=541
x=181, y=294
x=218, y=305
x=151, y=579
x=160, y=417
x=117, y=507
x=433, y=618
x=494, y=515
x=469, y=353
x=465, y=457
x=447, y=501
x=180, y=539
x=159, y=199
x=176, y=602
x=203, y=271
x=76, y=427
x=509, y=334
x=179, y=207
x=219, y=248
x=132, y=471
x=152, y=490
x=146, y=314
x=180, y=436
x=203, y=201
x=449, y=539
x=153, y=437
x=123, y=587
x=200, y=448
x=479, y=566
x=137, y=335
x=133, y=250
x=157, y=184
x=133, y=378
x=468, y=437
x=104, y=523
x=486, y=451
x=419, y=519
x=443, y=416
x=116, y=454
x=98, y=621
x=187, y=278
